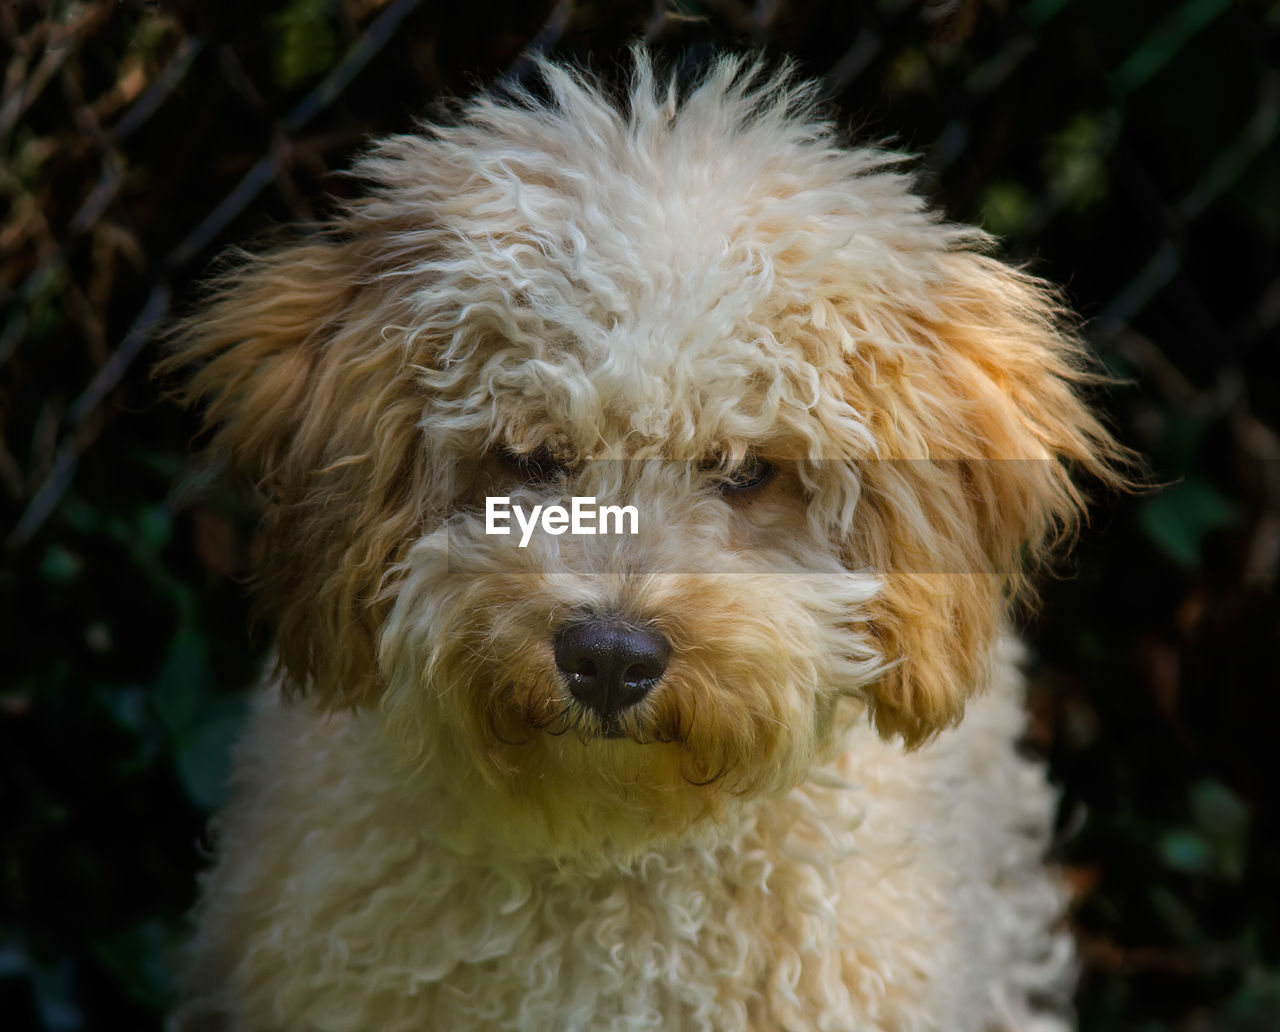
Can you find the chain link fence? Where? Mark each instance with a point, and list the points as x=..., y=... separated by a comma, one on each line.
x=1125, y=150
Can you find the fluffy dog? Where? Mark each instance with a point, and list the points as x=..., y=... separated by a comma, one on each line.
x=708, y=775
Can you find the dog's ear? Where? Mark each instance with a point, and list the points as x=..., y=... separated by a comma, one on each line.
x=973, y=396
x=306, y=399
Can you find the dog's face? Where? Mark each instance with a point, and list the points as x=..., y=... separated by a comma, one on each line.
x=844, y=431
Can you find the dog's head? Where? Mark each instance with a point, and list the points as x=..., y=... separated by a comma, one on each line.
x=846, y=432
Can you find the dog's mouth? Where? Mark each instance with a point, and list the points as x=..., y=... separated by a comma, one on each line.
x=631, y=725
x=667, y=735
x=568, y=717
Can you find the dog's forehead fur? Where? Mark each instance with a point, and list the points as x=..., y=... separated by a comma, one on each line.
x=622, y=270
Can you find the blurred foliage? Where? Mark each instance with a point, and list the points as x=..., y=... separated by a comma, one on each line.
x=306, y=42
x=1127, y=151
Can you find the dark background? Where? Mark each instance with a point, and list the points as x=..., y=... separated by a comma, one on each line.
x=1124, y=148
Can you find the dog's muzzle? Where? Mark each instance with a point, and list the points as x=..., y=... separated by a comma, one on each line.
x=609, y=666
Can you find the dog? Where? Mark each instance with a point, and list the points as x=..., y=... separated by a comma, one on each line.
x=647, y=475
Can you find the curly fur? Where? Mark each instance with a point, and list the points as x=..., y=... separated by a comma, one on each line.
x=789, y=833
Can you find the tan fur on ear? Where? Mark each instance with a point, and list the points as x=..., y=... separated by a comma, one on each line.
x=980, y=425
x=299, y=401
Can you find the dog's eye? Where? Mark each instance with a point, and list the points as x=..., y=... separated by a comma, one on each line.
x=750, y=474
x=535, y=467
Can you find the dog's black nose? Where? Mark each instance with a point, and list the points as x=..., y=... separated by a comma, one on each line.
x=610, y=666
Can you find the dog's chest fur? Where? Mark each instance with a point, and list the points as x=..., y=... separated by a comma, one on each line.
x=836, y=906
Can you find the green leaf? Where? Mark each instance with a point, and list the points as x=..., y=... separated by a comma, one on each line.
x=1185, y=851
x=1165, y=41
x=166, y=464
x=127, y=706
x=60, y=565
x=1218, y=811
x=203, y=754
x=182, y=689
x=1224, y=819
x=140, y=960
x=1178, y=518
x=153, y=525
x=1076, y=159
x=1256, y=1004
x=1174, y=913
x=306, y=45
x=1007, y=207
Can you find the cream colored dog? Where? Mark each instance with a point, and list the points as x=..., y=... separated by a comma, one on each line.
x=700, y=776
